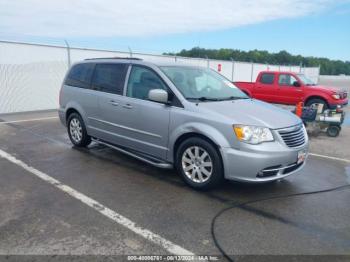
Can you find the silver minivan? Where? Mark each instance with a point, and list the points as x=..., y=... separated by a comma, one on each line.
x=187, y=117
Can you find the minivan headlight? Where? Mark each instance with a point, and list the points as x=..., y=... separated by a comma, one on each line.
x=253, y=134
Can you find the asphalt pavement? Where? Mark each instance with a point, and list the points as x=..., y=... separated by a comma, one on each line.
x=41, y=218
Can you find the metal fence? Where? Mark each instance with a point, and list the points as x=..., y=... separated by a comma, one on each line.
x=31, y=74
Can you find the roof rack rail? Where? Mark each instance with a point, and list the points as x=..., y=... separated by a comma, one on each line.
x=116, y=57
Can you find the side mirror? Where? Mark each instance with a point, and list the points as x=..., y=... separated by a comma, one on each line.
x=296, y=84
x=158, y=95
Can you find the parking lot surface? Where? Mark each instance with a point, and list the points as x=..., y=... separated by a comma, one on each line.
x=37, y=217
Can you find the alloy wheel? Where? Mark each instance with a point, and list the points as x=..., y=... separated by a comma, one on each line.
x=76, y=130
x=197, y=164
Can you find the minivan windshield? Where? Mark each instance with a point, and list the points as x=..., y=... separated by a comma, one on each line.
x=306, y=80
x=202, y=84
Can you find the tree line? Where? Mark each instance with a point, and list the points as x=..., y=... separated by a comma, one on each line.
x=328, y=66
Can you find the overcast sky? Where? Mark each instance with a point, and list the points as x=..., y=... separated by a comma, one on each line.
x=176, y=24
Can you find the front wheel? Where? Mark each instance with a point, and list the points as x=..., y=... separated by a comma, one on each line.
x=199, y=163
x=314, y=102
x=77, y=131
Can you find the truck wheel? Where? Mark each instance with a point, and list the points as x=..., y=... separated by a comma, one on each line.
x=199, y=163
x=77, y=131
x=315, y=101
x=333, y=131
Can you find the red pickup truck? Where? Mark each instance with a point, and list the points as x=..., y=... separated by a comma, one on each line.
x=290, y=88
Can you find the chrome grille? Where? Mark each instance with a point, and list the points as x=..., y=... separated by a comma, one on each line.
x=293, y=136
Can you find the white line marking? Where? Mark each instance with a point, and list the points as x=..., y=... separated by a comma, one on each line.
x=28, y=120
x=145, y=233
x=331, y=157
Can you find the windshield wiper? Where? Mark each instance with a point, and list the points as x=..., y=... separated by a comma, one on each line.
x=232, y=98
x=203, y=98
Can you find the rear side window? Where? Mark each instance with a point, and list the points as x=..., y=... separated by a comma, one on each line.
x=286, y=80
x=80, y=75
x=267, y=78
x=110, y=78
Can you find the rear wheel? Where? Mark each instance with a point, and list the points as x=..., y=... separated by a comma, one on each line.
x=315, y=101
x=199, y=163
x=77, y=131
x=333, y=131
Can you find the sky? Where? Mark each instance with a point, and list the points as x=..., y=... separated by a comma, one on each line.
x=308, y=27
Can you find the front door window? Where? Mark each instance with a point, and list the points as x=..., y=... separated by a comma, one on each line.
x=141, y=81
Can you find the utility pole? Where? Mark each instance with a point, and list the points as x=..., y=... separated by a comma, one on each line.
x=68, y=53
x=233, y=69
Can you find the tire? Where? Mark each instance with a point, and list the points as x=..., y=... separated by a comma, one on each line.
x=77, y=131
x=202, y=174
x=314, y=101
x=333, y=131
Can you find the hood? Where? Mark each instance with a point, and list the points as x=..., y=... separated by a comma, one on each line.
x=327, y=89
x=251, y=112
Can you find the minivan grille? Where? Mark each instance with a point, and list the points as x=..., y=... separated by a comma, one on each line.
x=294, y=136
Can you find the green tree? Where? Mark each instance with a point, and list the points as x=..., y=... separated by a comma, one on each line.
x=328, y=67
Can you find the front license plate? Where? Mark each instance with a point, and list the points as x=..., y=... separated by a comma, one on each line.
x=301, y=156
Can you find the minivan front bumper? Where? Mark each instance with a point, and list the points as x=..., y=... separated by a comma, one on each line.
x=265, y=162
x=251, y=167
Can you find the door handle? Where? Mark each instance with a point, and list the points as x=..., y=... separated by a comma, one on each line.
x=113, y=103
x=127, y=106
